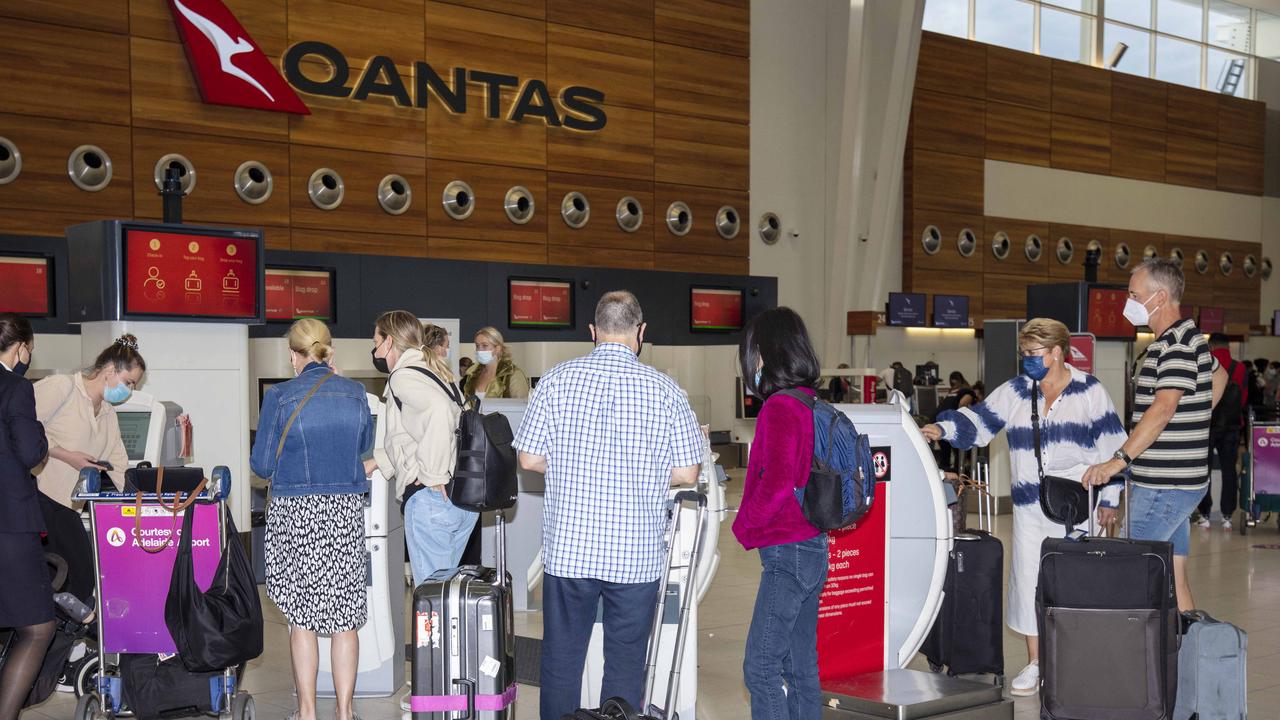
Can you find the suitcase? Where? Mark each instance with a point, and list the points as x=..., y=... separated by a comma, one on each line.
x=968, y=634
x=1108, y=623
x=619, y=709
x=1212, y=683
x=463, y=658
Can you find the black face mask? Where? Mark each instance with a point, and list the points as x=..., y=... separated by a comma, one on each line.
x=639, y=343
x=379, y=363
x=20, y=369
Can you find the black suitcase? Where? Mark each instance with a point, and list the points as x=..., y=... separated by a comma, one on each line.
x=968, y=634
x=464, y=647
x=619, y=709
x=1108, y=622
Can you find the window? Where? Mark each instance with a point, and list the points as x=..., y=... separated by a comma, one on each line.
x=1267, y=40
x=1177, y=61
x=1184, y=18
x=1137, y=59
x=1229, y=26
x=1227, y=73
x=1085, y=6
x=1133, y=12
x=1007, y=23
x=1064, y=35
x=950, y=17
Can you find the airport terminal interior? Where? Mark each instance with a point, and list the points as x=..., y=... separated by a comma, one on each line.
x=916, y=179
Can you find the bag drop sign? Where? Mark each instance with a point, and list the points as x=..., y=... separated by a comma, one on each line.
x=853, y=599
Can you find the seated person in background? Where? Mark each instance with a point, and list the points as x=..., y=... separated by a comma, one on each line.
x=495, y=375
x=979, y=391
x=961, y=396
x=464, y=364
x=839, y=386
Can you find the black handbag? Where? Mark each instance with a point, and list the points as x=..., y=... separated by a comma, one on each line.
x=222, y=627
x=1062, y=500
x=164, y=689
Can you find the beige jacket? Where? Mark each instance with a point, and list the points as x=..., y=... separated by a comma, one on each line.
x=64, y=407
x=421, y=444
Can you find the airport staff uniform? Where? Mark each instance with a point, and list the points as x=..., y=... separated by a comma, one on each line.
x=25, y=595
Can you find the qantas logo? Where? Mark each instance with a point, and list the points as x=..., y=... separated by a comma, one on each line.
x=229, y=67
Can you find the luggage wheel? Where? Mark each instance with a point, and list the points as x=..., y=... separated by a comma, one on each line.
x=242, y=707
x=89, y=707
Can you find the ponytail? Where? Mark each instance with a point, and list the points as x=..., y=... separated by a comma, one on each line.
x=122, y=355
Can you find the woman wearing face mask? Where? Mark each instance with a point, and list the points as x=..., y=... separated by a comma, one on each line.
x=436, y=339
x=80, y=421
x=1079, y=427
x=495, y=374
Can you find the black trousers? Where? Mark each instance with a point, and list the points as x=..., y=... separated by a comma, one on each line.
x=68, y=538
x=1225, y=447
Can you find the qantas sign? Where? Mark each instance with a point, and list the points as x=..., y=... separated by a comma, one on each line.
x=231, y=69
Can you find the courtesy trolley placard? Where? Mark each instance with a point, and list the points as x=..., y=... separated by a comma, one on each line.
x=1265, y=446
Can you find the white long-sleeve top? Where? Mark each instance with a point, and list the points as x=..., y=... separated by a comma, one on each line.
x=1080, y=429
x=421, y=443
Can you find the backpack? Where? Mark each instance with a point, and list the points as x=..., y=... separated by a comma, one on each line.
x=1227, y=414
x=484, y=477
x=842, y=477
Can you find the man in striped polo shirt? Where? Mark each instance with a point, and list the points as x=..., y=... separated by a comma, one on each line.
x=1178, y=382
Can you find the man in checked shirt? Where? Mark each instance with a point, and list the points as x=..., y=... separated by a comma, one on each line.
x=612, y=435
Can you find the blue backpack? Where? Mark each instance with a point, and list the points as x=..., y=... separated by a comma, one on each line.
x=842, y=478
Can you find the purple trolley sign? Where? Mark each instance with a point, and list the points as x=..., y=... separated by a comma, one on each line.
x=1265, y=446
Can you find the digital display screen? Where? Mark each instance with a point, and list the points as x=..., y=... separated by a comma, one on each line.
x=540, y=303
x=1275, y=323
x=295, y=293
x=906, y=309
x=1106, y=313
x=133, y=431
x=1212, y=320
x=715, y=309
x=951, y=311
x=190, y=275
x=25, y=285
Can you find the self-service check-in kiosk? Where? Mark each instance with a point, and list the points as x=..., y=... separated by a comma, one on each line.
x=151, y=432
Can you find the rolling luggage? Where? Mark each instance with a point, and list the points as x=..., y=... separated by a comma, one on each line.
x=620, y=709
x=463, y=658
x=968, y=634
x=1108, y=622
x=1211, y=670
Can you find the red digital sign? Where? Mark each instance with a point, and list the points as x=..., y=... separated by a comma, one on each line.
x=24, y=285
x=540, y=303
x=715, y=309
x=294, y=294
x=1106, y=313
x=190, y=275
x=1212, y=320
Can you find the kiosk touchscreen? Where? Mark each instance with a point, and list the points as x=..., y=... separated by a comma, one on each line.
x=150, y=431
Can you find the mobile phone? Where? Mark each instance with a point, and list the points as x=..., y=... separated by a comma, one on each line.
x=104, y=464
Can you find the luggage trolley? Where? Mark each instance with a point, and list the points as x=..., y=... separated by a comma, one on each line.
x=135, y=542
x=1260, y=483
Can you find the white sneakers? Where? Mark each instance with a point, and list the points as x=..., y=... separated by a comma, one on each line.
x=1028, y=681
x=1203, y=522
x=1226, y=525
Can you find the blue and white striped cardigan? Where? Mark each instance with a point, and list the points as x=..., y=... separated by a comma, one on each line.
x=1081, y=429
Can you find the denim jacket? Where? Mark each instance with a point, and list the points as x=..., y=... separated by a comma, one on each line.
x=322, y=452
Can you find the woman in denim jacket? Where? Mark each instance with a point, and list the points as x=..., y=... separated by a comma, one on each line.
x=315, y=522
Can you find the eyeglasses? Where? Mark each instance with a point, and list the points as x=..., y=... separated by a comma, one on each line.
x=1033, y=351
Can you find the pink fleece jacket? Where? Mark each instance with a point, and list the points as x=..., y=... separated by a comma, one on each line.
x=780, y=458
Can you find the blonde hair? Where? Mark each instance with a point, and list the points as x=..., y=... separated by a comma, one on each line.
x=1047, y=333
x=434, y=336
x=311, y=338
x=406, y=332
x=122, y=355
x=494, y=337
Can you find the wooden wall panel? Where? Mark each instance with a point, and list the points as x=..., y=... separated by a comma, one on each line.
x=717, y=25
x=489, y=221
x=948, y=259
x=1081, y=236
x=1018, y=134
x=475, y=137
x=1239, y=169
x=701, y=83
x=43, y=222
x=44, y=186
x=624, y=65
x=375, y=125
x=486, y=250
x=1081, y=144
x=941, y=181
x=266, y=21
x=1140, y=102
x=70, y=74
x=600, y=257
x=695, y=151
x=1242, y=122
x=103, y=15
x=948, y=123
x=633, y=18
x=1138, y=242
x=952, y=65
x=1191, y=161
x=536, y=9
x=714, y=264
x=216, y=160
x=305, y=239
x=1081, y=91
x=1019, y=78
x=1005, y=296
x=624, y=148
x=1016, y=263
x=362, y=29
x=463, y=37
x=602, y=230
x=1137, y=153
x=1237, y=294
x=704, y=204
x=361, y=173
x=1193, y=112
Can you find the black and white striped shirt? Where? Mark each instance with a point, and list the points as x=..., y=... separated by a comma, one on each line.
x=1177, y=360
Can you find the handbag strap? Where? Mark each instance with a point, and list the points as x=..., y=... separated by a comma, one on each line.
x=454, y=393
x=179, y=505
x=1035, y=428
x=284, y=434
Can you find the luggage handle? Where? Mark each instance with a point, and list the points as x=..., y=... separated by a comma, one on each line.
x=469, y=686
x=1093, y=507
x=500, y=549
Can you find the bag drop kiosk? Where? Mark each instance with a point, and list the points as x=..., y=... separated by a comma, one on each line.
x=150, y=431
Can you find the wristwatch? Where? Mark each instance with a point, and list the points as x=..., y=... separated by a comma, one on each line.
x=1123, y=456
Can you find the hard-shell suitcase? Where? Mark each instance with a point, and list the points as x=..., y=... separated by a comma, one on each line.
x=464, y=642
x=1212, y=683
x=619, y=709
x=1108, y=622
x=968, y=635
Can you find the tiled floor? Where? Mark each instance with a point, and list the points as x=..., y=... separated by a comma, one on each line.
x=1232, y=579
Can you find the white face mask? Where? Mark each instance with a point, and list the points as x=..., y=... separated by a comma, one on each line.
x=1136, y=312
x=484, y=357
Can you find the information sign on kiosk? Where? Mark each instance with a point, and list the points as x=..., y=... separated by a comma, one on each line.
x=26, y=285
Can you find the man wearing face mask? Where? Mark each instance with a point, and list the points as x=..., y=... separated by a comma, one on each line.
x=612, y=435
x=1178, y=383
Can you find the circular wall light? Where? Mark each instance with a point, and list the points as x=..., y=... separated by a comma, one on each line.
x=518, y=204
x=575, y=209
x=629, y=213
x=253, y=182
x=679, y=218
x=770, y=228
x=326, y=189
x=10, y=161
x=186, y=172
x=394, y=194
x=1000, y=245
x=459, y=200
x=89, y=168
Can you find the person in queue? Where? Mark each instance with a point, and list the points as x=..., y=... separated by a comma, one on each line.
x=26, y=598
x=495, y=374
x=1225, y=426
x=780, y=667
x=839, y=388
x=611, y=435
x=436, y=339
x=78, y=412
x=311, y=433
x=1178, y=383
x=1078, y=428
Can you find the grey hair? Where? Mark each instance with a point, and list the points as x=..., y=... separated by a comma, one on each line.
x=1164, y=274
x=618, y=313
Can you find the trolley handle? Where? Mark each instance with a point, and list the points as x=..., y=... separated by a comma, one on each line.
x=690, y=496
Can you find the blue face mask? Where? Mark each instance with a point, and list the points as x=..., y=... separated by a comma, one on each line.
x=756, y=382
x=1034, y=367
x=118, y=394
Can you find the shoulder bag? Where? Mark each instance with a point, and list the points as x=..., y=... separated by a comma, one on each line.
x=1062, y=500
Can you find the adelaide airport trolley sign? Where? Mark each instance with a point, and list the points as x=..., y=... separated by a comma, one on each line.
x=230, y=68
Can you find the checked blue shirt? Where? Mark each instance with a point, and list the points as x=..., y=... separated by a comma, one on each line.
x=611, y=429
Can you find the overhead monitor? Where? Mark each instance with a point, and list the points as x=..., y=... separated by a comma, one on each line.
x=905, y=309
x=544, y=303
x=1212, y=320
x=716, y=309
x=951, y=311
x=201, y=274
x=297, y=292
x=135, y=427
x=26, y=285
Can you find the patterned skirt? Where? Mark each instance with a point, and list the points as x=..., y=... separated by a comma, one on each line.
x=316, y=561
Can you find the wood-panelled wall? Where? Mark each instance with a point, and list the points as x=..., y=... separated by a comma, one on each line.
x=675, y=74
x=975, y=102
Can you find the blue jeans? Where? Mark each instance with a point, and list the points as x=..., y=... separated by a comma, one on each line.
x=569, y=608
x=1163, y=515
x=782, y=644
x=436, y=532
